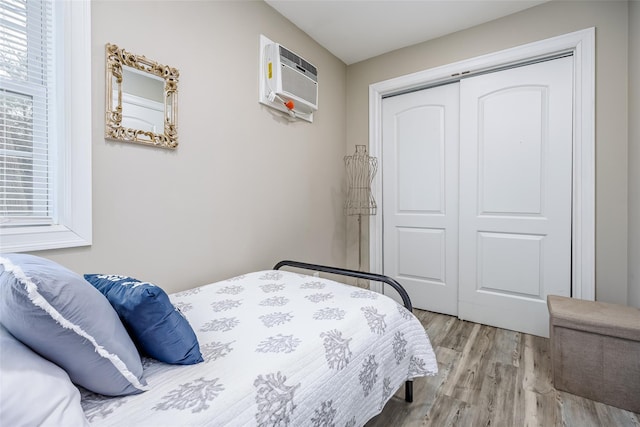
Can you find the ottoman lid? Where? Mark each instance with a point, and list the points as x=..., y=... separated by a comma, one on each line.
x=594, y=316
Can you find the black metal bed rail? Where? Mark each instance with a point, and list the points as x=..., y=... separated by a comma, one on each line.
x=408, y=385
x=352, y=273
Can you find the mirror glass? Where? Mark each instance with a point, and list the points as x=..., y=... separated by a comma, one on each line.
x=141, y=100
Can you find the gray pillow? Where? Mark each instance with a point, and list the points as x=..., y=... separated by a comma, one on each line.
x=66, y=320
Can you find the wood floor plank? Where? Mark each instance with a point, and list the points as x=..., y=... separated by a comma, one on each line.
x=494, y=401
x=474, y=365
x=507, y=347
x=492, y=377
x=540, y=403
x=457, y=336
x=577, y=411
x=460, y=377
x=438, y=326
x=448, y=412
x=611, y=416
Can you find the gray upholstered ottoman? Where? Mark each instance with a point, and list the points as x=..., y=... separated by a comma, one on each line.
x=595, y=350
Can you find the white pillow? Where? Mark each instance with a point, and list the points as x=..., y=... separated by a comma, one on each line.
x=34, y=391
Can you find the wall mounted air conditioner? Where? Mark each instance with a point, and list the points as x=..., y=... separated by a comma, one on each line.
x=286, y=76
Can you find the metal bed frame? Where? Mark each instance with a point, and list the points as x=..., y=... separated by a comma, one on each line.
x=408, y=385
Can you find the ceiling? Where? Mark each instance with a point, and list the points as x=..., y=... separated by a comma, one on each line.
x=355, y=30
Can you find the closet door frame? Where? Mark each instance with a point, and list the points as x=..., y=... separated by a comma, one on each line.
x=581, y=44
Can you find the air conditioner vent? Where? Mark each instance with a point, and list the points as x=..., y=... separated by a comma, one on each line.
x=300, y=62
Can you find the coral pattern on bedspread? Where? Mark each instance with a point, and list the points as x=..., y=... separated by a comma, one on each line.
x=279, y=349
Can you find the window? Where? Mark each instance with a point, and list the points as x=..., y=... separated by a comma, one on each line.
x=45, y=124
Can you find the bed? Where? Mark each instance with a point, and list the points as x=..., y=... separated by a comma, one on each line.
x=279, y=348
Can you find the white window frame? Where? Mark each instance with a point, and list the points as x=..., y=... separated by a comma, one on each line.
x=70, y=141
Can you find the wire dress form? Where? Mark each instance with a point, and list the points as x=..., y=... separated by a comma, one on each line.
x=361, y=168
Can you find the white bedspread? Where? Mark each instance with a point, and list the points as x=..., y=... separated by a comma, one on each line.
x=280, y=349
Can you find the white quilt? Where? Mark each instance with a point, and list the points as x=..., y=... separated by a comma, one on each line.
x=280, y=349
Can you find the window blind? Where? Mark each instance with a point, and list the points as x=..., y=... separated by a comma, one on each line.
x=26, y=99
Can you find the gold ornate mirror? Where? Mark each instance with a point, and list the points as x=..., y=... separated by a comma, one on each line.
x=142, y=100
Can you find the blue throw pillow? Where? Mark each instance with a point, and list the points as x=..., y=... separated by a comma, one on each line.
x=64, y=319
x=157, y=327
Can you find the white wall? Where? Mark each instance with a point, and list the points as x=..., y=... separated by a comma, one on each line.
x=634, y=153
x=547, y=20
x=245, y=188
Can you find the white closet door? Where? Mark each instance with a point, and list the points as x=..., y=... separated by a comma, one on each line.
x=420, y=195
x=515, y=194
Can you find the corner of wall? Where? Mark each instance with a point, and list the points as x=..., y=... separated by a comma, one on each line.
x=633, y=291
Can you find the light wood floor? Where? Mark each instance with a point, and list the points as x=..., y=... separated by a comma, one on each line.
x=492, y=377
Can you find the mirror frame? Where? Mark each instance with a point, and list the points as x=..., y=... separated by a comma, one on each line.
x=116, y=58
